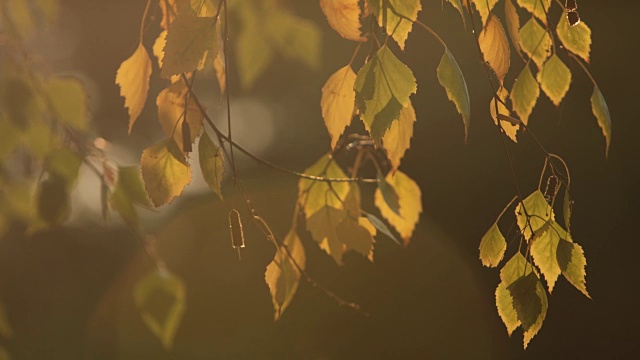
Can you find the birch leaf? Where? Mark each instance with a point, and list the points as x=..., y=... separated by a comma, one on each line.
x=535, y=41
x=344, y=17
x=189, y=39
x=484, y=7
x=410, y=199
x=211, y=164
x=524, y=94
x=282, y=276
x=539, y=8
x=513, y=24
x=397, y=139
x=601, y=111
x=555, y=79
x=165, y=171
x=451, y=78
x=133, y=79
x=576, y=39
x=492, y=247
x=495, y=47
x=509, y=128
x=338, y=102
x=171, y=104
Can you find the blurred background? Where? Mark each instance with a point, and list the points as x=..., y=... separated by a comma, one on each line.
x=67, y=292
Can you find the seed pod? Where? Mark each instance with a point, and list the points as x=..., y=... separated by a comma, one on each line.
x=552, y=188
x=186, y=137
x=235, y=225
x=571, y=5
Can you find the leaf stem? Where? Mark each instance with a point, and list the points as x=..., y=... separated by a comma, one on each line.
x=144, y=20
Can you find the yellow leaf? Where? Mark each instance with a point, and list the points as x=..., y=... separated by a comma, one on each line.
x=535, y=41
x=576, y=39
x=397, y=26
x=344, y=17
x=356, y=234
x=397, y=139
x=282, y=276
x=338, y=101
x=317, y=194
x=158, y=47
x=133, y=78
x=451, y=78
x=513, y=23
x=211, y=163
x=492, y=247
x=484, y=7
x=495, y=47
x=555, y=79
x=601, y=111
x=323, y=226
x=410, y=199
x=189, y=39
x=171, y=112
x=538, y=212
x=507, y=313
x=165, y=172
x=510, y=129
x=539, y=8
x=524, y=94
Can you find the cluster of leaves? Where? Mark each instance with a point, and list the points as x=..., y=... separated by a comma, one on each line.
x=43, y=124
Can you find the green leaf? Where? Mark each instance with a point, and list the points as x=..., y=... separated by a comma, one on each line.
x=65, y=164
x=54, y=202
x=524, y=94
x=338, y=102
x=397, y=139
x=165, y=172
x=383, y=85
x=158, y=285
x=451, y=78
x=555, y=79
x=515, y=268
x=410, y=200
x=317, y=194
x=492, y=247
x=282, y=276
x=69, y=101
x=601, y=111
x=539, y=8
x=129, y=191
x=484, y=7
x=189, y=39
x=535, y=41
x=525, y=300
x=572, y=262
x=295, y=38
x=543, y=251
x=576, y=39
x=357, y=234
x=323, y=228
x=539, y=211
x=382, y=227
x=211, y=164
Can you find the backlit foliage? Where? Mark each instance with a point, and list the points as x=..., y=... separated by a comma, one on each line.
x=44, y=125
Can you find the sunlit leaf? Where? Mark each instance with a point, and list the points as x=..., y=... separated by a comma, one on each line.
x=410, y=199
x=492, y=247
x=544, y=253
x=507, y=312
x=555, y=79
x=129, y=191
x=539, y=8
x=323, y=226
x=513, y=24
x=387, y=11
x=495, y=47
x=451, y=78
x=383, y=87
x=511, y=129
x=155, y=285
x=338, y=102
x=165, y=172
x=211, y=163
x=318, y=194
x=539, y=213
x=397, y=139
x=524, y=94
x=572, y=263
x=576, y=39
x=69, y=101
x=357, y=234
x=171, y=104
x=535, y=41
x=189, y=39
x=133, y=78
x=484, y=7
x=601, y=111
x=282, y=276
x=344, y=17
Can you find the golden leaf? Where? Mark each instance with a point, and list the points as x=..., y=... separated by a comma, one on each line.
x=133, y=78
x=410, y=199
x=338, y=101
x=495, y=47
x=344, y=17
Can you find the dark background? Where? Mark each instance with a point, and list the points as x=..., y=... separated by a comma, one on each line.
x=68, y=292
